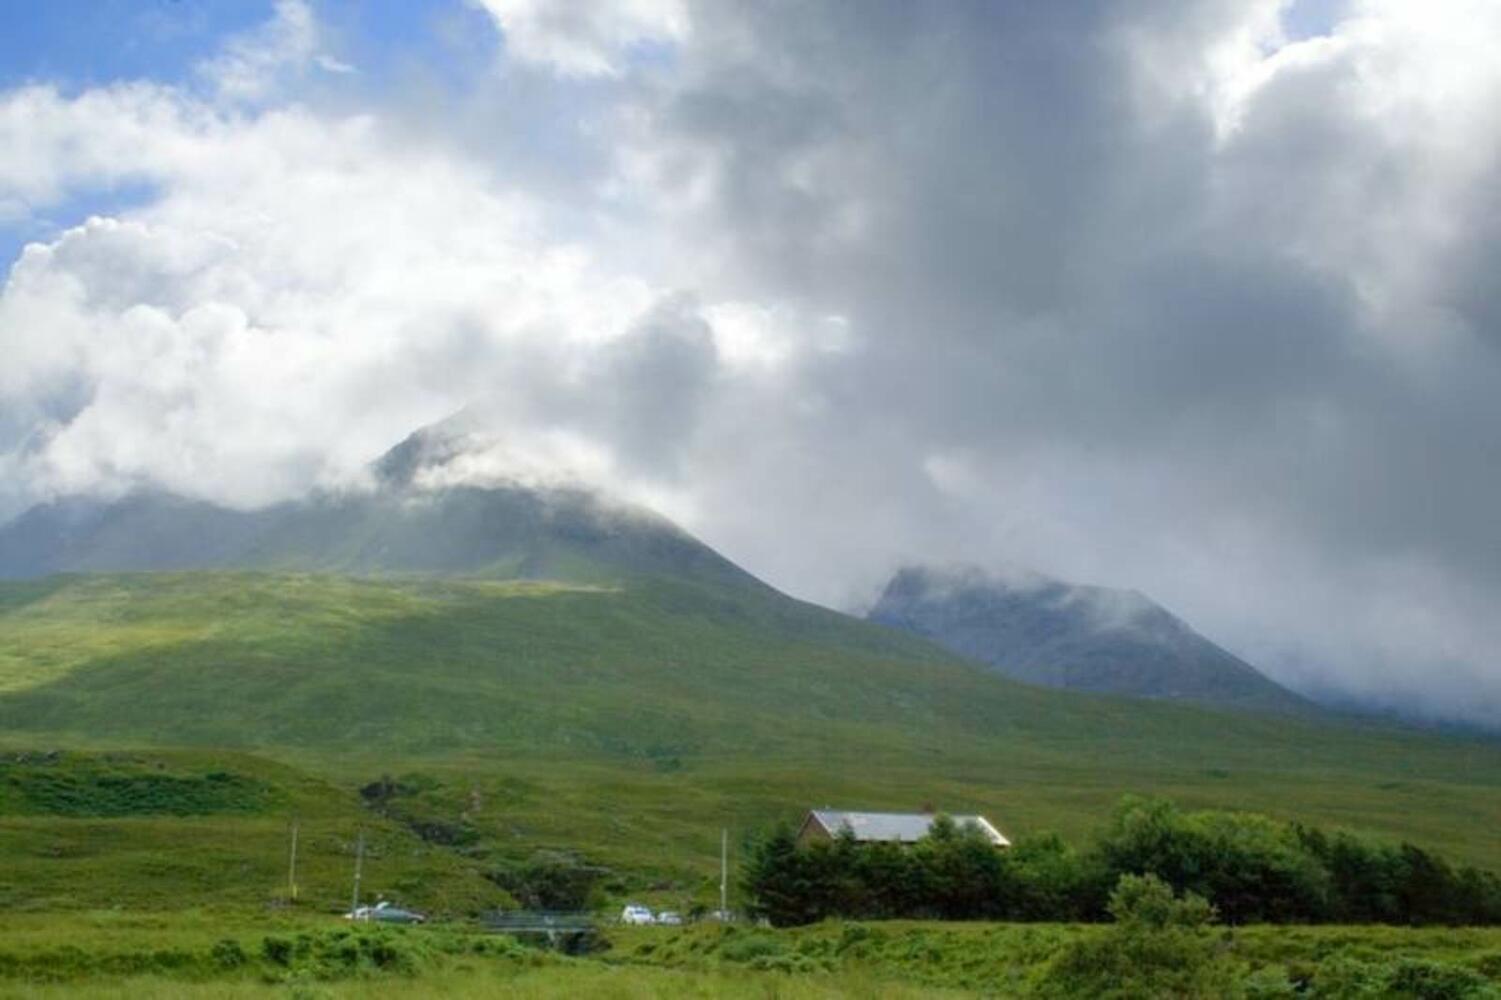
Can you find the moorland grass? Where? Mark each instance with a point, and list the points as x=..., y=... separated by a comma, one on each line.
x=1011, y=959
x=162, y=829
x=626, y=724
x=564, y=982
x=243, y=953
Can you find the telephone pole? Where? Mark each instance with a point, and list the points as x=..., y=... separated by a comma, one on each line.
x=292, y=866
x=359, y=861
x=724, y=873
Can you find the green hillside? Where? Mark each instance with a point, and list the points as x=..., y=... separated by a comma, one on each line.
x=625, y=724
x=162, y=830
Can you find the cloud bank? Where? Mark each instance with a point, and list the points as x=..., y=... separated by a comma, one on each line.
x=1167, y=297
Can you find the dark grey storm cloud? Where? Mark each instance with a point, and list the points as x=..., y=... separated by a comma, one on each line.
x=1225, y=332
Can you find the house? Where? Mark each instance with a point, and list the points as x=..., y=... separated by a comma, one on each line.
x=902, y=828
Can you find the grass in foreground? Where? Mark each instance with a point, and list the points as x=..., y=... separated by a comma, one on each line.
x=1005, y=959
x=585, y=979
x=226, y=954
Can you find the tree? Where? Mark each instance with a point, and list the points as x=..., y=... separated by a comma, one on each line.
x=1251, y=867
x=965, y=878
x=780, y=881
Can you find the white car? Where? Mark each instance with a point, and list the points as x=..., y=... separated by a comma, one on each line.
x=670, y=919
x=385, y=913
x=635, y=913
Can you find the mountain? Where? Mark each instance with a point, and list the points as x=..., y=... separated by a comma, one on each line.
x=397, y=525
x=623, y=724
x=1045, y=631
x=519, y=668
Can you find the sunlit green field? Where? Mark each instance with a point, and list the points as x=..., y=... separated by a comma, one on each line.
x=625, y=724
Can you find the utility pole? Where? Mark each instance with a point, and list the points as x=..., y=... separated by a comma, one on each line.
x=292, y=866
x=724, y=873
x=359, y=861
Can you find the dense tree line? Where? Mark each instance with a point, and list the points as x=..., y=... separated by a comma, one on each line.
x=1250, y=867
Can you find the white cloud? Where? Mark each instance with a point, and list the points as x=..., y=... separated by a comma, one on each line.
x=250, y=66
x=1156, y=296
x=332, y=65
x=261, y=64
x=584, y=38
x=302, y=293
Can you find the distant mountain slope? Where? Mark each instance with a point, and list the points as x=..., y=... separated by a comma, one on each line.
x=1048, y=632
x=503, y=531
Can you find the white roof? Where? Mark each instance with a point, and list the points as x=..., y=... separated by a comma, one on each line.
x=904, y=828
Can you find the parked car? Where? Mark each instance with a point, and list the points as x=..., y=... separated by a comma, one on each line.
x=385, y=913
x=635, y=913
x=670, y=918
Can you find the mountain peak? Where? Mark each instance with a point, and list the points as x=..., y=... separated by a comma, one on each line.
x=427, y=513
x=425, y=448
x=1046, y=631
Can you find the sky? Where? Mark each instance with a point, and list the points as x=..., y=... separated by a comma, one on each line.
x=1192, y=297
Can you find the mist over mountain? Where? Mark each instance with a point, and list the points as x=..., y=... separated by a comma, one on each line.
x=451, y=500
x=1045, y=631
x=403, y=523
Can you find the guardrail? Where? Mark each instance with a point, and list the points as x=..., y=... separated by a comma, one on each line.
x=540, y=922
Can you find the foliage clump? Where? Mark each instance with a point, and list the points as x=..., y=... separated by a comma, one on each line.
x=1161, y=945
x=74, y=786
x=552, y=880
x=1348, y=978
x=1253, y=869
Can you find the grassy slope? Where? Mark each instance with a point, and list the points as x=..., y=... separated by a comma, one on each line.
x=169, y=849
x=630, y=723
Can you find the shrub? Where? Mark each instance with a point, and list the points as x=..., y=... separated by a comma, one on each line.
x=1347, y=978
x=751, y=947
x=1160, y=945
x=227, y=954
x=551, y=880
x=277, y=950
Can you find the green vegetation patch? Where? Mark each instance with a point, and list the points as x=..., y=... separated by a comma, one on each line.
x=60, y=784
x=1161, y=945
x=1251, y=868
x=289, y=953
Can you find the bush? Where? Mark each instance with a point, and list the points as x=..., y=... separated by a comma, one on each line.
x=227, y=954
x=1161, y=945
x=751, y=947
x=276, y=950
x=551, y=880
x=1347, y=978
